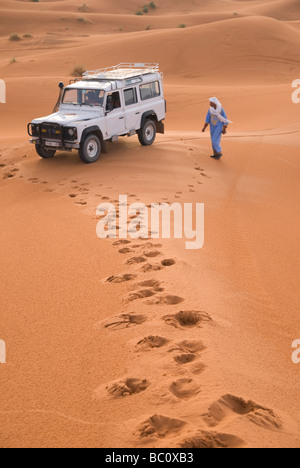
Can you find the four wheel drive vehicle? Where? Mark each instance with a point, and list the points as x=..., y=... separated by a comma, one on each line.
x=105, y=104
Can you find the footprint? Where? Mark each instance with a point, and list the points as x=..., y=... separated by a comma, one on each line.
x=128, y=387
x=168, y=262
x=160, y=426
x=125, y=250
x=187, y=319
x=148, y=245
x=166, y=299
x=136, y=246
x=151, y=342
x=189, y=346
x=259, y=415
x=197, y=368
x=151, y=284
x=135, y=260
x=126, y=321
x=120, y=278
x=152, y=254
x=184, y=388
x=210, y=440
x=142, y=294
x=121, y=242
x=8, y=175
x=151, y=267
x=183, y=359
x=72, y=195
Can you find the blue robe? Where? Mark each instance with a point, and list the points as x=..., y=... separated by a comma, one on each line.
x=216, y=128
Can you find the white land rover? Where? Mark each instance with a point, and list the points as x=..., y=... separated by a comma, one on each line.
x=105, y=104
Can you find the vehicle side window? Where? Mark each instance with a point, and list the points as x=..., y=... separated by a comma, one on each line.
x=150, y=90
x=130, y=96
x=113, y=101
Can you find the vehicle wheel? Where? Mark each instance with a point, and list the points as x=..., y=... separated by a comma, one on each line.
x=44, y=152
x=90, y=149
x=147, y=133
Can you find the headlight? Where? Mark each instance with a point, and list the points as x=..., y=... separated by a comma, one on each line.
x=34, y=129
x=70, y=133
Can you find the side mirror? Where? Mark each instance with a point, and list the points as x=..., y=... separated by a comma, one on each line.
x=61, y=85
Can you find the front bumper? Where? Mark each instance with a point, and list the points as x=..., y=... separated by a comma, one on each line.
x=65, y=145
x=52, y=135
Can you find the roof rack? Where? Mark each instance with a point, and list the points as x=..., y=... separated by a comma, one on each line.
x=122, y=71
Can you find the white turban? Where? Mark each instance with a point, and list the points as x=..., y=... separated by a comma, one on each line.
x=218, y=110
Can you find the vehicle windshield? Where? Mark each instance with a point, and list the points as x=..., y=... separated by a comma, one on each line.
x=84, y=97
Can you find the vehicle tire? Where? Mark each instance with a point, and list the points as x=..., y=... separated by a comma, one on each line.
x=44, y=153
x=147, y=133
x=90, y=149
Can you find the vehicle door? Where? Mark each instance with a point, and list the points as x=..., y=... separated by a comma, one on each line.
x=115, y=114
x=132, y=109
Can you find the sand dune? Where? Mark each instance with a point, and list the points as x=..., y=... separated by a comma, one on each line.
x=251, y=58
x=141, y=343
x=283, y=10
x=163, y=7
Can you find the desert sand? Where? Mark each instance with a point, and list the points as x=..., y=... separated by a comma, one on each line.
x=147, y=344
